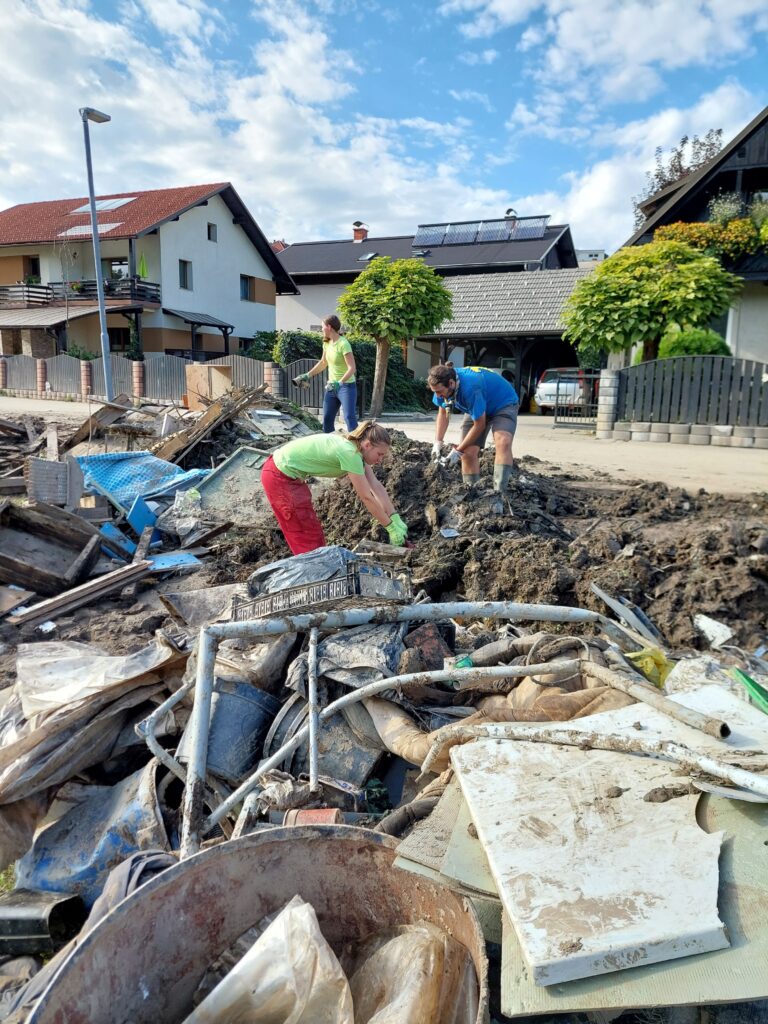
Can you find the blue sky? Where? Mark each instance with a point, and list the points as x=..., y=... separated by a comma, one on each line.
x=325, y=112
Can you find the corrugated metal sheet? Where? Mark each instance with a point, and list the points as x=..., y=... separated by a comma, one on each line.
x=246, y=372
x=21, y=373
x=63, y=374
x=164, y=377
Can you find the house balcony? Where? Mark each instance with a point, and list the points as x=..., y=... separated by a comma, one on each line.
x=59, y=293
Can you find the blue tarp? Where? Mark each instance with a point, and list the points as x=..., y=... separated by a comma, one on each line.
x=124, y=476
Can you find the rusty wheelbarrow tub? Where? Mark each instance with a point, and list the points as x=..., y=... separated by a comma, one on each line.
x=143, y=961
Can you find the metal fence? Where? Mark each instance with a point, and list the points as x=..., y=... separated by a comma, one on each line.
x=245, y=372
x=576, y=399
x=21, y=373
x=63, y=374
x=122, y=375
x=695, y=389
x=164, y=377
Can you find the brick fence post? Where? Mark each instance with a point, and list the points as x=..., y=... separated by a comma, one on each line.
x=607, y=402
x=3, y=374
x=86, y=378
x=41, y=375
x=137, y=377
x=275, y=379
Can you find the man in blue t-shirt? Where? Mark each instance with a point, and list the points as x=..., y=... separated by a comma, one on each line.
x=489, y=403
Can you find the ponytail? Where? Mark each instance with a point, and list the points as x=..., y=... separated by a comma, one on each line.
x=369, y=430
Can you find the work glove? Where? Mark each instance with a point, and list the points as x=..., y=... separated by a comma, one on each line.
x=397, y=530
x=302, y=381
x=437, y=447
x=453, y=456
x=332, y=387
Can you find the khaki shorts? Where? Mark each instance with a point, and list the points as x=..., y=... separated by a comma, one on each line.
x=503, y=419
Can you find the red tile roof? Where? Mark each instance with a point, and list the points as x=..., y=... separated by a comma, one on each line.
x=46, y=222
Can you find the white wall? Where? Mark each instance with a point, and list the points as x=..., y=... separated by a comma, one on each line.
x=747, y=332
x=216, y=270
x=302, y=312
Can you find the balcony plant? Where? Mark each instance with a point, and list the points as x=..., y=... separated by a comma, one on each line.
x=76, y=286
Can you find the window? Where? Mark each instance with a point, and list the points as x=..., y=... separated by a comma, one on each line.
x=119, y=339
x=367, y=258
x=105, y=204
x=114, y=269
x=247, y=288
x=185, y=275
x=212, y=233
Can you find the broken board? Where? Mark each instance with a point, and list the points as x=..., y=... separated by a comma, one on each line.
x=729, y=975
x=13, y=597
x=233, y=490
x=593, y=883
x=465, y=860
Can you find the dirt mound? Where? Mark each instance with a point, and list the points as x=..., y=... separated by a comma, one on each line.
x=670, y=552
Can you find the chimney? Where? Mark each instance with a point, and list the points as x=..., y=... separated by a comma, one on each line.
x=278, y=244
x=359, y=231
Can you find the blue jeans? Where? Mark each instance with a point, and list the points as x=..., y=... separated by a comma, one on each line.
x=346, y=397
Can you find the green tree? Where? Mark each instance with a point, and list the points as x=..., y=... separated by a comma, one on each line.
x=392, y=301
x=643, y=292
x=684, y=158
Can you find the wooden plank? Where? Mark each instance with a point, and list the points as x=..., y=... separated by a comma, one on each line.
x=13, y=485
x=32, y=435
x=102, y=417
x=722, y=393
x=81, y=595
x=12, y=597
x=749, y=394
x=677, y=385
x=694, y=394
x=52, y=444
x=578, y=870
x=656, y=390
x=705, y=395
x=731, y=975
x=84, y=562
x=175, y=447
x=8, y=427
x=685, y=369
x=139, y=556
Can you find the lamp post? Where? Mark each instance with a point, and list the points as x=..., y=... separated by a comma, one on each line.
x=89, y=114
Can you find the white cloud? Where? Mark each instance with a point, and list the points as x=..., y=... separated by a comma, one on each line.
x=470, y=96
x=473, y=58
x=598, y=202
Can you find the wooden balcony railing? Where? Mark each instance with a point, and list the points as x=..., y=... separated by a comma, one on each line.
x=23, y=296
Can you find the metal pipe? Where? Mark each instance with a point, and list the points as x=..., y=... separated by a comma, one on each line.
x=688, y=759
x=313, y=710
x=647, y=694
x=403, y=681
x=381, y=614
x=198, y=724
x=146, y=730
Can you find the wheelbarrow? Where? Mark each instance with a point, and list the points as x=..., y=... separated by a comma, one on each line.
x=143, y=961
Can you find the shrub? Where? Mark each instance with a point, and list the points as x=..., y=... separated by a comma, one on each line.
x=758, y=212
x=262, y=346
x=697, y=341
x=78, y=352
x=724, y=207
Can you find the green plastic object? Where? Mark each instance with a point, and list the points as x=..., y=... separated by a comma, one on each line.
x=757, y=692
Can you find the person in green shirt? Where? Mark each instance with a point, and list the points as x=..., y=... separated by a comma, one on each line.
x=285, y=472
x=341, y=388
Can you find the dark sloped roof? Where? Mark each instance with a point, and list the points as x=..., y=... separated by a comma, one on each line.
x=30, y=223
x=201, y=319
x=522, y=302
x=343, y=256
x=693, y=179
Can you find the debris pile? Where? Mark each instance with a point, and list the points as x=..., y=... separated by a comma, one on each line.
x=370, y=761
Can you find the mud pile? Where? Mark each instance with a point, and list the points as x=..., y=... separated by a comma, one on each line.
x=671, y=552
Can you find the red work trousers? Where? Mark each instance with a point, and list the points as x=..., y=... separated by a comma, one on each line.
x=291, y=501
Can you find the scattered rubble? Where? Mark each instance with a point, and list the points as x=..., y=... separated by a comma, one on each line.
x=173, y=681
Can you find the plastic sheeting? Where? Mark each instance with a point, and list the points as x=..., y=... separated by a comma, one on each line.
x=312, y=567
x=290, y=975
x=125, y=476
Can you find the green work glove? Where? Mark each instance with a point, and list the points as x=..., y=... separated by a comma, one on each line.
x=302, y=381
x=332, y=386
x=397, y=530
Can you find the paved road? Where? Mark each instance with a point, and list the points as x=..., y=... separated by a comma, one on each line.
x=723, y=470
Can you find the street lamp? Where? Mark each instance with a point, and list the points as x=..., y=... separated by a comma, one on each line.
x=89, y=114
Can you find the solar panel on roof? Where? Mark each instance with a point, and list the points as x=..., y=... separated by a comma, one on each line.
x=85, y=229
x=105, y=204
x=526, y=228
x=493, y=231
x=460, y=234
x=428, y=234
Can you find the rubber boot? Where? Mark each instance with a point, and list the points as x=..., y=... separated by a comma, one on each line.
x=501, y=475
x=470, y=479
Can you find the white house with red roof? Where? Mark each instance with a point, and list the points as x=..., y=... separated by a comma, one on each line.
x=187, y=271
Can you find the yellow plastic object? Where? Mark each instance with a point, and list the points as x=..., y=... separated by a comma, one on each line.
x=653, y=664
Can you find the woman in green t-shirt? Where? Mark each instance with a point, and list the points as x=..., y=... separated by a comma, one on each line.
x=341, y=389
x=284, y=476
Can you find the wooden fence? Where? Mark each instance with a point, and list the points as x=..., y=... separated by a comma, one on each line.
x=695, y=389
